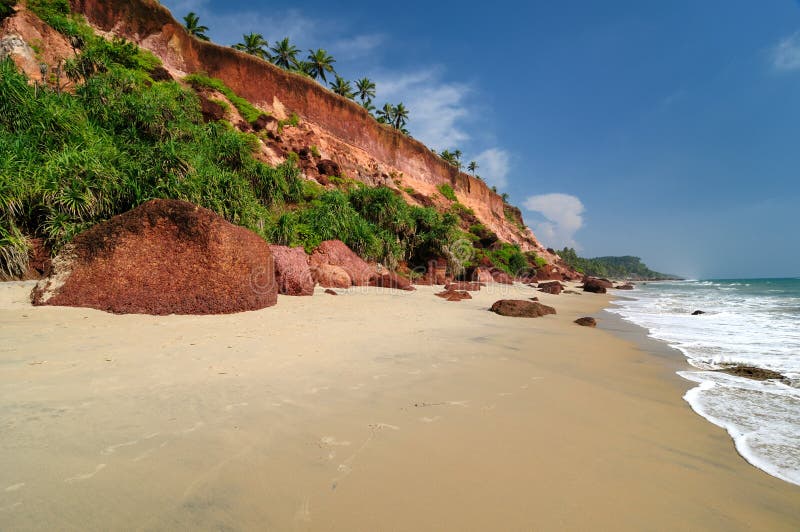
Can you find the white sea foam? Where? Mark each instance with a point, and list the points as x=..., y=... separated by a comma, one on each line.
x=745, y=322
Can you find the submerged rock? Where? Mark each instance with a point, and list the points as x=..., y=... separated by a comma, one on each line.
x=586, y=322
x=698, y=312
x=163, y=257
x=626, y=286
x=519, y=308
x=752, y=372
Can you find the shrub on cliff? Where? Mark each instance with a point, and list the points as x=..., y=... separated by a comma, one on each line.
x=447, y=191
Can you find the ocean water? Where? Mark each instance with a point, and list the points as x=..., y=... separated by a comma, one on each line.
x=749, y=321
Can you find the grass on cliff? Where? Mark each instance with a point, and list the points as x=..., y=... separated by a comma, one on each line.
x=70, y=160
x=248, y=111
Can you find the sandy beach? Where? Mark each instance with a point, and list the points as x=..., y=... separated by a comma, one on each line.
x=372, y=410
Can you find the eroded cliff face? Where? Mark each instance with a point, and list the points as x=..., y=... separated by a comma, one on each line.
x=339, y=128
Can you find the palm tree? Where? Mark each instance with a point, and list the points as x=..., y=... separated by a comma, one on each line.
x=285, y=54
x=342, y=87
x=400, y=116
x=367, y=104
x=320, y=62
x=365, y=89
x=254, y=44
x=449, y=157
x=472, y=166
x=386, y=114
x=192, y=24
x=504, y=196
x=457, y=156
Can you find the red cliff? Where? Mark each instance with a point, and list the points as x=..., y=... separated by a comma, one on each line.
x=341, y=129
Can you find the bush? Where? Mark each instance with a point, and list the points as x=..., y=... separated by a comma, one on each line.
x=447, y=191
x=6, y=8
x=248, y=111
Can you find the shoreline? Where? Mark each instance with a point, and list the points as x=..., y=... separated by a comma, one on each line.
x=374, y=410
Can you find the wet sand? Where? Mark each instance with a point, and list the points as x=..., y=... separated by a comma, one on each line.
x=372, y=410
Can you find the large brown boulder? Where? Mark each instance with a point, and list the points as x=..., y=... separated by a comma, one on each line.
x=328, y=168
x=596, y=286
x=336, y=253
x=548, y=272
x=586, y=321
x=553, y=287
x=499, y=276
x=163, y=257
x=392, y=280
x=330, y=276
x=292, y=272
x=454, y=295
x=519, y=308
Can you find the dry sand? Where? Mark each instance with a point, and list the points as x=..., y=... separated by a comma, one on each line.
x=373, y=410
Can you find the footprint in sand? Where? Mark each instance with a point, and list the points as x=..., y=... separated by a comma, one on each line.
x=433, y=419
x=10, y=506
x=357, y=386
x=111, y=449
x=192, y=428
x=315, y=390
x=303, y=513
x=523, y=387
x=15, y=487
x=505, y=394
x=331, y=441
x=379, y=426
x=414, y=372
x=235, y=405
x=465, y=404
x=377, y=377
x=85, y=476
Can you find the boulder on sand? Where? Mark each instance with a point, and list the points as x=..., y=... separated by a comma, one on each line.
x=454, y=295
x=586, y=322
x=553, y=287
x=596, y=286
x=336, y=253
x=499, y=276
x=464, y=286
x=392, y=280
x=330, y=276
x=519, y=308
x=163, y=257
x=292, y=272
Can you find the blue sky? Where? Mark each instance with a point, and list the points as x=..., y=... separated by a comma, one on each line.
x=667, y=130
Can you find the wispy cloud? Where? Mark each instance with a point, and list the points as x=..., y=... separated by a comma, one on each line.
x=563, y=215
x=357, y=47
x=437, y=108
x=786, y=54
x=494, y=165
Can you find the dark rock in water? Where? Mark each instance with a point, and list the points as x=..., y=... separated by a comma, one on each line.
x=697, y=312
x=752, y=372
x=586, y=322
x=518, y=308
x=163, y=257
x=626, y=286
x=331, y=292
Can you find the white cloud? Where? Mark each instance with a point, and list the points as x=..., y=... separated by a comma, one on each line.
x=563, y=215
x=494, y=165
x=786, y=55
x=357, y=47
x=436, y=107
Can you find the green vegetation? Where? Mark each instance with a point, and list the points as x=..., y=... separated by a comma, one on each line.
x=320, y=63
x=6, y=8
x=452, y=158
x=315, y=151
x=509, y=258
x=342, y=87
x=394, y=115
x=70, y=160
x=245, y=108
x=626, y=267
x=284, y=54
x=447, y=191
x=292, y=121
x=192, y=24
x=472, y=167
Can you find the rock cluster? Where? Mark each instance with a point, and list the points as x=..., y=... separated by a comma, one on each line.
x=334, y=265
x=292, y=272
x=552, y=287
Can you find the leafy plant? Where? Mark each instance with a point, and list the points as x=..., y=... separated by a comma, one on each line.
x=447, y=191
x=248, y=111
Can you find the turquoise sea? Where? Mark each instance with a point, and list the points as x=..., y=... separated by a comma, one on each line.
x=747, y=321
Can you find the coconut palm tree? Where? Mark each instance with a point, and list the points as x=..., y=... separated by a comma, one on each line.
x=365, y=89
x=254, y=44
x=386, y=114
x=342, y=87
x=284, y=54
x=400, y=116
x=192, y=24
x=472, y=166
x=320, y=62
